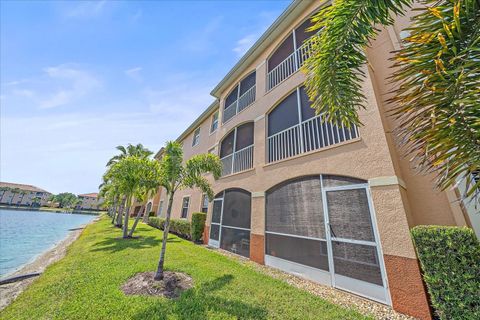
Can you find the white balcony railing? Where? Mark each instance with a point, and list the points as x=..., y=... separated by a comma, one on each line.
x=307, y=136
x=245, y=100
x=238, y=161
x=290, y=65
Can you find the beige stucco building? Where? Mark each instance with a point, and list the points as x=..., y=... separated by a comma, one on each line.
x=321, y=201
x=89, y=201
x=16, y=194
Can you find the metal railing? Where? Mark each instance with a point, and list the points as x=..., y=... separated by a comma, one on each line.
x=238, y=161
x=307, y=136
x=290, y=65
x=245, y=100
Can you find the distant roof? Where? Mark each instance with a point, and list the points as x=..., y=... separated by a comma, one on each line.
x=92, y=195
x=26, y=187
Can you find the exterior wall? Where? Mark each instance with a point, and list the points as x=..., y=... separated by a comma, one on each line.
x=401, y=198
x=23, y=198
x=89, y=203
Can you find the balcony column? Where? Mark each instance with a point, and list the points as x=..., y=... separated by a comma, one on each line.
x=257, y=234
x=261, y=79
x=259, y=152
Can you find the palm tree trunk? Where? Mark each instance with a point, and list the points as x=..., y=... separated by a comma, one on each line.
x=159, y=274
x=125, y=219
x=114, y=209
x=137, y=218
x=1, y=198
x=120, y=212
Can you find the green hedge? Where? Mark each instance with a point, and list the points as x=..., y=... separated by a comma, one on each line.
x=179, y=227
x=450, y=260
x=198, y=225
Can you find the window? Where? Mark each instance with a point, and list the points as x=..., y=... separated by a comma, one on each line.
x=240, y=97
x=294, y=128
x=214, y=124
x=196, y=137
x=185, y=203
x=236, y=149
x=289, y=56
x=204, y=207
x=160, y=208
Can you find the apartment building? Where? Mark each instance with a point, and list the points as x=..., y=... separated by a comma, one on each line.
x=318, y=200
x=89, y=201
x=26, y=195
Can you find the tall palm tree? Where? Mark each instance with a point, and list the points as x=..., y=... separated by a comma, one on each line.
x=176, y=175
x=130, y=175
x=437, y=73
x=137, y=150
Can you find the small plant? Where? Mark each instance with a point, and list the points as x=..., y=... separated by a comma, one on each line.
x=198, y=225
x=450, y=260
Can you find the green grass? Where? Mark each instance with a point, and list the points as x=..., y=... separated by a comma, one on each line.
x=86, y=284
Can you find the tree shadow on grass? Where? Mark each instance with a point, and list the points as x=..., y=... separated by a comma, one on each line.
x=200, y=303
x=118, y=244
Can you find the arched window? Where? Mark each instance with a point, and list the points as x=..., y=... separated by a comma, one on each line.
x=289, y=55
x=240, y=97
x=230, y=226
x=236, y=149
x=324, y=225
x=293, y=128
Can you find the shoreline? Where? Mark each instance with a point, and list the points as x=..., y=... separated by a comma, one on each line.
x=11, y=291
x=53, y=210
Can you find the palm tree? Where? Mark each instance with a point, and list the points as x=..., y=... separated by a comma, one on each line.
x=176, y=175
x=137, y=150
x=131, y=150
x=148, y=188
x=436, y=70
x=35, y=200
x=131, y=174
x=4, y=190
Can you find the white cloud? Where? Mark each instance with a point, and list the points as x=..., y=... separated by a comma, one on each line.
x=85, y=9
x=245, y=43
x=76, y=83
x=134, y=73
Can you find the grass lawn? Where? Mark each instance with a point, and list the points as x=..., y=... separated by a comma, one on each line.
x=86, y=284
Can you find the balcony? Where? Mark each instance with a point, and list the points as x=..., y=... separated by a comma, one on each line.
x=312, y=134
x=238, y=161
x=290, y=65
x=240, y=104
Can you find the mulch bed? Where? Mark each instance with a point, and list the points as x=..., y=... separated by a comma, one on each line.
x=172, y=285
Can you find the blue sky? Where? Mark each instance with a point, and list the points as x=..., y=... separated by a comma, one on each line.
x=79, y=78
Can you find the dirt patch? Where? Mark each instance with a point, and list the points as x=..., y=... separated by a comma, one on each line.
x=172, y=285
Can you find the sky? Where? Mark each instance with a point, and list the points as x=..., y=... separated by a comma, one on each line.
x=79, y=78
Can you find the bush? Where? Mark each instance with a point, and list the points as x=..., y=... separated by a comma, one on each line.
x=198, y=225
x=450, y=260
x=179, y=227
x=156, y=222
x=151, y=214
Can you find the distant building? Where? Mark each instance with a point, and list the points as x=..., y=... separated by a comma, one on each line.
x=90, y=201
x=17, y=194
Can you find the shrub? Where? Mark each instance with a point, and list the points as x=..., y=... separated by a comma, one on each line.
x=179, y=227
x=151, y=214
x=450, y=260
x=156, y=222
x=198, y=225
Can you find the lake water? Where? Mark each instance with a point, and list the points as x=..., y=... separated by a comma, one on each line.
x=26, y=234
